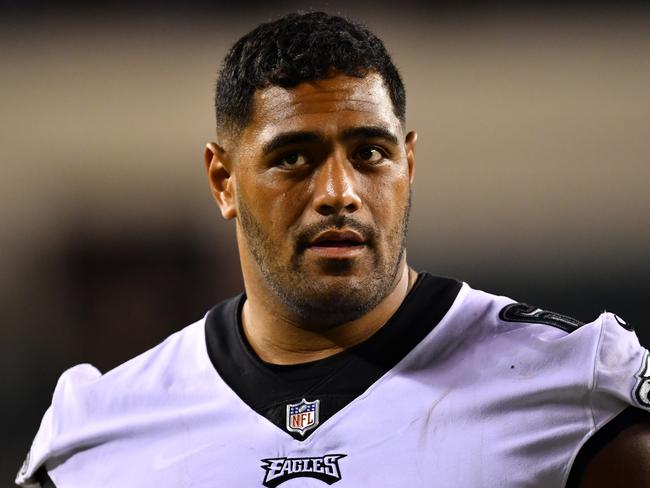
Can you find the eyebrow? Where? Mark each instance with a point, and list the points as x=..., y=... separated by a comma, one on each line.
x=290, y=138
x=369, y=132
x=309, y=137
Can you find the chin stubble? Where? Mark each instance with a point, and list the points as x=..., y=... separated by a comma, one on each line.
x=315, y=305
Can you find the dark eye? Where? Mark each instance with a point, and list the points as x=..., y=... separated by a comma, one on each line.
x=292, y=160
x=369, y=155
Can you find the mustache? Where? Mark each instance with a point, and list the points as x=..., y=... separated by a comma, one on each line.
x=335, y=222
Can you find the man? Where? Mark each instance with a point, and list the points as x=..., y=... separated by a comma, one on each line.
x=340, y=364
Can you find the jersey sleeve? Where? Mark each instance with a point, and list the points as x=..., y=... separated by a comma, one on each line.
x=621, y=376
x=60, y=426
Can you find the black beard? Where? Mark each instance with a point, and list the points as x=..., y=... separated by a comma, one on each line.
x=319, y=307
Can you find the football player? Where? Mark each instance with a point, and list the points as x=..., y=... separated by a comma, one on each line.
x=339, y=363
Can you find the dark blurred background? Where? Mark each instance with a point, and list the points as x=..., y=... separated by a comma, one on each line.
x=532, y=177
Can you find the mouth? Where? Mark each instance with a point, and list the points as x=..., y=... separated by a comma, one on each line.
x=337, y=244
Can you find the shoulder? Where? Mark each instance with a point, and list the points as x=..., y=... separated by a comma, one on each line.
x=499, y=310
x=158, y=369
x=476, y=319
x=89, y=407
x=596, y=375
x=489, y=318
x=498, y=314
x=603, y=356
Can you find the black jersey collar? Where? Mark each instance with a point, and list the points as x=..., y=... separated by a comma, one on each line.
x=335, y=381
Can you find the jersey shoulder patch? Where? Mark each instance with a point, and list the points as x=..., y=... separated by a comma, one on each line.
x=522, y=312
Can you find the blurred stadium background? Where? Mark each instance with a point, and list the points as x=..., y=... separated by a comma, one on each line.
x=532, y=177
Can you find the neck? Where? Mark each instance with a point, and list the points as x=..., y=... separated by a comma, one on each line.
x=277, y=339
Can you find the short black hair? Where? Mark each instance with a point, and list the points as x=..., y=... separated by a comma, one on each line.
x=296, y=48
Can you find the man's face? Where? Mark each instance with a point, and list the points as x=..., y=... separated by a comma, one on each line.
x=320, y=183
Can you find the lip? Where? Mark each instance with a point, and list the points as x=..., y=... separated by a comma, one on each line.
x=339, y=244
x=332, y=236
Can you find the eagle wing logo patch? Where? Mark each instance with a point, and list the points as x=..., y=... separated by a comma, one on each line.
x=522, y=312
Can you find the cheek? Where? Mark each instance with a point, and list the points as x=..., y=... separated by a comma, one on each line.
x=387, y=198
x=279, y=203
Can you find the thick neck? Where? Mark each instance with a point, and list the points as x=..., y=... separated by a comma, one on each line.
x=278, y=339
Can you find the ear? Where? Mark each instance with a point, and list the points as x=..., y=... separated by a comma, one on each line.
x=411, y=139
x=220, y=179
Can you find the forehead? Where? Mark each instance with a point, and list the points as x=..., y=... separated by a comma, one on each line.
x=328, y=106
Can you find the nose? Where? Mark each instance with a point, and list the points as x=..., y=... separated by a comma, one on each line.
x=335, y=187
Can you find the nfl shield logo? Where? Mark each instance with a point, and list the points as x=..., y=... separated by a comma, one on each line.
x=302, y=416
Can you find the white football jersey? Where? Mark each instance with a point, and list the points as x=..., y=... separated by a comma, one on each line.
x=459, y=389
